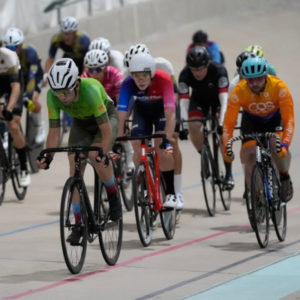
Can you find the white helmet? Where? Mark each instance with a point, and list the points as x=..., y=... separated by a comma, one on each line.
x=68, y=24
x=101, y=44
x=63, y=74
x=13, y=37
x=95, y=58
x=134, y=49
x=142, y=62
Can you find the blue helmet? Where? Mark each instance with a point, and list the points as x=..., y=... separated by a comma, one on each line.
x=254, y=67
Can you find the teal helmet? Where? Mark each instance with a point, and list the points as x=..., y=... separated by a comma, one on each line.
x=254, y=67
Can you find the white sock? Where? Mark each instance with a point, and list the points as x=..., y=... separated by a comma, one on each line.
x=177, y=183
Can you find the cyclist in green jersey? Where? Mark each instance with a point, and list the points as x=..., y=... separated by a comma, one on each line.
x=84, y=99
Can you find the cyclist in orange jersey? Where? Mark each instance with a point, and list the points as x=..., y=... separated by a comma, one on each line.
x=267, y=105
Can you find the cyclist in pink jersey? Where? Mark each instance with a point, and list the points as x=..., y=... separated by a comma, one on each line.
x=96, y=63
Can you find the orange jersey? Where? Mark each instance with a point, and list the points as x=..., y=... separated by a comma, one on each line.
x=275, y=96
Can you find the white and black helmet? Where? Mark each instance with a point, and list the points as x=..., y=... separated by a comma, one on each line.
x=95, y=58
x=142, y=62
x=101, y=44
x=13, y=37
x=68, y=24
x=133, y=50
x=63, y=74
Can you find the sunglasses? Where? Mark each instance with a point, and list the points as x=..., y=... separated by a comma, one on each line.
x=199, y=69
x=95, y=70
x=65, y=92
x=12, y=47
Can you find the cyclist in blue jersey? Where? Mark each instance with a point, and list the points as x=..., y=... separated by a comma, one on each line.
x=32, y=76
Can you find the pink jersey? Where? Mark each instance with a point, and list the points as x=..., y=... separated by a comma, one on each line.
x=112, y=81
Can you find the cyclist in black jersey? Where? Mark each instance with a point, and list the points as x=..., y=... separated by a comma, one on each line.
x=208, y=83
x=11, y=87
x=32, y=76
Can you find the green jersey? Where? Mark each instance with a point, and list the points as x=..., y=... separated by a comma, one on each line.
x=91, y=104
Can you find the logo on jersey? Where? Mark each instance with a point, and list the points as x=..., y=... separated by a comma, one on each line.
x=282, y=93
x=183, y=88
x=234, y=98
x=261, y=107
x=223, y=82
x=101, y=107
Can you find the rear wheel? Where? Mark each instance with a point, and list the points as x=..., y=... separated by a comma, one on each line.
x=19, y=190
x=208, y=180
x=279, y=214
x=111, y=232
x=167, y=215
x=125, y=183
x=2, y=174
x=225, y=194
x=74, y=255
x=260, y=207
x=142, y=207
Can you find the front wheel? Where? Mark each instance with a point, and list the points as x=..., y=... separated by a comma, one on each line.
x=74, y=255
x=2, y=176
x=167, y=215
x=111, y=232
x=142, y=204
x=208, y=180
x=19, y=190
x=279, y=214
x=260, y=207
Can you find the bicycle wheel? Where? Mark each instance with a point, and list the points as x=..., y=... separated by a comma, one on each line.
x=260, y=207
x=2, y=173
x=111, y=232
x=208, y=180
x=249, y=208
x=225, y=194
x=74, y=255
x=167, y=215
x=142, y=207
x=34, y=149
x=124, y=182
x=279, y=214
x=19, y=190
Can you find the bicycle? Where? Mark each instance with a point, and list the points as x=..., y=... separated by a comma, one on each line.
x=265, y=201
x=95, y=221
x=10, y=167
x=149, y=191
x=212, y=166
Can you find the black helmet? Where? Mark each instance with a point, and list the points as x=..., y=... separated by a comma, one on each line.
x=200, y=37
x=243, y=56
x=197, y=57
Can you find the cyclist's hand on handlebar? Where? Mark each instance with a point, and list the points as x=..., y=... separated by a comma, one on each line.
x=103, y=161
x=228, y=159
x=284, y=151
x=29, y=104
x=44, y=162
x=7, y=115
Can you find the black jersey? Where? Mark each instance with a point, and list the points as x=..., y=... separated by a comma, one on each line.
x=204, y=92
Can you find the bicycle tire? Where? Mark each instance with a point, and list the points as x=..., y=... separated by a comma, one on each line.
x=208, y=180
x=279, y=214
x=34, y=149
x=167, y=215
x=260, y=206
x=249, y=208
x=3, y=171
x=74, y=255
x=225, y=194
x=111, y=232
x=124, y=185
x=19, y=190
x=142, y=206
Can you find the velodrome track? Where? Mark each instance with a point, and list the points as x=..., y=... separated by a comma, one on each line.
x=209, y=258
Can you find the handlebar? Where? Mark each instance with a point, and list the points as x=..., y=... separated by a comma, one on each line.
x=254, y=136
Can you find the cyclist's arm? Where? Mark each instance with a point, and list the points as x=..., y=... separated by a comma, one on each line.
x=106, y=132
x=53, y=137
x=184, y=99
x=170, y=122
x=123, y=116
x=14, y=95
x=287, y=113
x=230, y=117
